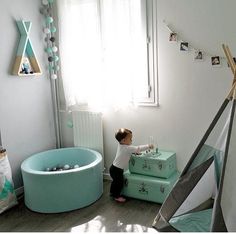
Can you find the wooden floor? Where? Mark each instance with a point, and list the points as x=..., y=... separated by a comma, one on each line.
x=105, y=215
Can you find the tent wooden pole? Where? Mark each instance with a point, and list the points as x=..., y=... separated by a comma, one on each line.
x=229, y=58
x=234, y=93
x=230, y=61
x=231, y=92
x=233, y=63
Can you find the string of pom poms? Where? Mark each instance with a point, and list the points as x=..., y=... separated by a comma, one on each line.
x=49, y=31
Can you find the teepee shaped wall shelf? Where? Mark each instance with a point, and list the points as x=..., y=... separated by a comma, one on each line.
x=26, y=63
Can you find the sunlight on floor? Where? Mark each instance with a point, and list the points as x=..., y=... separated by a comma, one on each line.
x=98, y=225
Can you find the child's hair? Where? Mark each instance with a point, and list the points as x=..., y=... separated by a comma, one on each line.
x=122, y=133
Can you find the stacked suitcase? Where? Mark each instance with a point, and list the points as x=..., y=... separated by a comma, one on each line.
x=151, y=176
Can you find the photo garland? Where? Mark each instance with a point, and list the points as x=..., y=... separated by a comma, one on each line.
x=199, y=54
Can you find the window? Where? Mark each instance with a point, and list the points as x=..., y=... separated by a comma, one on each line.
x=108, y=52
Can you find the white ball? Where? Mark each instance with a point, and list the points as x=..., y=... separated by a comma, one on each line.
x=76, y=166
x=66, y=167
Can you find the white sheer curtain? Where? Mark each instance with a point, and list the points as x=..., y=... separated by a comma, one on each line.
x=102, y=51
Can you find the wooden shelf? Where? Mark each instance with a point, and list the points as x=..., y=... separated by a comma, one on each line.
x=26, y=63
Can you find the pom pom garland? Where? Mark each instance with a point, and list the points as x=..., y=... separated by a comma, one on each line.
x=45, y=2
x=50, y=29
x=52, y=39
x=53, y=29
x=50, y=59
x=47, y=30
x=48, y=50
x=57, y=68
x=49, y=19
x=54, y=49
x=44, y=11
x=54, y=76
x=47, y=39
x=55, y=58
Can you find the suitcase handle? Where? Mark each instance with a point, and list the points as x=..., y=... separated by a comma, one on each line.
x=162, y=189
x=146, y=166
x=142, y=189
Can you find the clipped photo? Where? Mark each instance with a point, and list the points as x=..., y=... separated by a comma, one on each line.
x=215, y=61
x=173, y=37
x=198, y=55
x=184, y=46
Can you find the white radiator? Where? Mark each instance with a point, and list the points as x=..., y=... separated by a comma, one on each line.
x=88, y=130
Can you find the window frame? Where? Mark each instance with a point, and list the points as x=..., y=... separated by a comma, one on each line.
x=152, y=53
x=151, y=19
x=150, y=14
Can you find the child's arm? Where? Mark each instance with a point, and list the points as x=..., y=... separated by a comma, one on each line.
x=140, y=148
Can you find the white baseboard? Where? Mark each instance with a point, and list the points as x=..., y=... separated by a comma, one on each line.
x=106, y=176
x=19, y=191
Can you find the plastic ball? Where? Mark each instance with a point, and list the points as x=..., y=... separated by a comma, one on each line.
x=54, y=168
x=53, y=29
x=50, y=59
x=55, y=58
x=49, y=19
x=66, y=167
x=52, y=39
x=76, y=166
x=54, y=76
x=46, y=30
x=54, y=49
x=45, y=2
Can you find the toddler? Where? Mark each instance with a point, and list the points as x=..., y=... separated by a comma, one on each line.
x=121, y=161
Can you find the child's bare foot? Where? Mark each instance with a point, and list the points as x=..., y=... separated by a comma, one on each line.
x=120, y=199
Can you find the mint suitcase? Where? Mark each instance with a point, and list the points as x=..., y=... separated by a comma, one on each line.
x=147, y=187
x=161, y=164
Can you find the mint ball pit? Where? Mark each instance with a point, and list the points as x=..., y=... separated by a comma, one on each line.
x=61, y=191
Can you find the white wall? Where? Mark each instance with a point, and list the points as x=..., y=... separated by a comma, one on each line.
x=26, y=117
x=190, y=92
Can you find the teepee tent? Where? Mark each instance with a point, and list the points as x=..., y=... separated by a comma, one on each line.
x=203, y=199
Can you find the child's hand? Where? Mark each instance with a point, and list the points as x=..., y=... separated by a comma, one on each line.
x=151, y=146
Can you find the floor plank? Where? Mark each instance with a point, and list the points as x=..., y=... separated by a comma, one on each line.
x=105, y=215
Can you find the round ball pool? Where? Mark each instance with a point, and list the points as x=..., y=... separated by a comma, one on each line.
x=60, y=191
